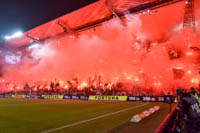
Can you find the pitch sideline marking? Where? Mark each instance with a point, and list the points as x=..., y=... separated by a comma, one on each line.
x=91, y=119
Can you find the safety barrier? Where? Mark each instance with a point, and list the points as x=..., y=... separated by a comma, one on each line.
x=167, y=123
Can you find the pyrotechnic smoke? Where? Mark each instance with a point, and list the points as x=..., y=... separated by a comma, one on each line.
x=150, y=51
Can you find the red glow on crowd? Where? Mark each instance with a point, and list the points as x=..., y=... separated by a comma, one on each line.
x=149, y=51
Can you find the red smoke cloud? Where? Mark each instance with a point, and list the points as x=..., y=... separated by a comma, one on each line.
x=137, y=52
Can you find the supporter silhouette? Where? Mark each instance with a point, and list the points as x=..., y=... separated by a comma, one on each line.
x=188, y=118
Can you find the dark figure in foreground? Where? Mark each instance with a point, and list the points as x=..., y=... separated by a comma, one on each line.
x=188, y=120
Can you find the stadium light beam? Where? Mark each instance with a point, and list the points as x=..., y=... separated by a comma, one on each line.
x=15, y=35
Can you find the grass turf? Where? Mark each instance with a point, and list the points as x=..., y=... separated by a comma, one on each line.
x=35, y=116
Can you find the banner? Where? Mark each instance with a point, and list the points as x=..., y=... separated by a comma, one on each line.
x=8, y=96
x=153, y=99
x=75, y=97
x=161, y=99
x=108, y=98
x=137, y=99
x=2, y=95
x=178, y=73
x=146, y=99
x=18, y=96
x=83, y=98
x=131, y=98
x=53, y=96
x=67, y=97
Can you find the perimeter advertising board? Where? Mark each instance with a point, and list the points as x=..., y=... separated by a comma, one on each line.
x=53, y=96
x=18, y=96
x=108, y=98
x=2, y=95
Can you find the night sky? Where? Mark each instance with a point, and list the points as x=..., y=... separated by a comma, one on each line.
x=27, y=14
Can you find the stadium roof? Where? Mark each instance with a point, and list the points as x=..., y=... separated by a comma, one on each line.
x=82, y=17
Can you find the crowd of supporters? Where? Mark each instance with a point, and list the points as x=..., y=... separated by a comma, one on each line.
x=73, y=87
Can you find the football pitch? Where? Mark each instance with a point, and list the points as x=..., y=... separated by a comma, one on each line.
x=68, y=116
